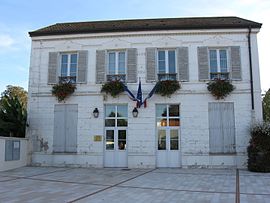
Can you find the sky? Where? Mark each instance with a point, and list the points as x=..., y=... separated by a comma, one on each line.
x=18, y=17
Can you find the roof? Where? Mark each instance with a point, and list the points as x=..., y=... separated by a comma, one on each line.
x=145, y=25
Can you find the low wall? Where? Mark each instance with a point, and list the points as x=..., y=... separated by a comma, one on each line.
x=13, y=153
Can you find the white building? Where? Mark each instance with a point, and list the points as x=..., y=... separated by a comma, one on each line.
x=189, y=129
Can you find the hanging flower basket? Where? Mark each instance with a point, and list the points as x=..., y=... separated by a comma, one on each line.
x=167, y=87
x=113, y=88
x=220, y=88
x=63, y=90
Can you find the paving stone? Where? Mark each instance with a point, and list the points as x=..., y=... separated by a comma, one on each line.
x=31, y=171
x=25, y=190
x=138, y=195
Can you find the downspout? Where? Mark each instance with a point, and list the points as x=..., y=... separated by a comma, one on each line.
x=250, y=68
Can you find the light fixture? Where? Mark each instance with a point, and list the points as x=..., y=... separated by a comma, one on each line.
x=96, y=112
x=135, y=112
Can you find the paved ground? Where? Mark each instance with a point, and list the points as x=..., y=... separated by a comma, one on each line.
x=48, y=184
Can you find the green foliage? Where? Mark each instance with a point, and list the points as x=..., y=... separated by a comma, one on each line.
x=259, y=148
x=220, y=88
x=15, y=91
x=13, y=117
x=167, y=87
x=113, y=88
x=63, y=90
x=266, y=106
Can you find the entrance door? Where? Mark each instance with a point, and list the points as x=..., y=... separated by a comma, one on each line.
x=168, y=137
x=115, y=136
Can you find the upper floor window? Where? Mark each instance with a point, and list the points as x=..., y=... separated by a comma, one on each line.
x=218, y=64
x=69, y=65
x=116, y=65
x=166, y=65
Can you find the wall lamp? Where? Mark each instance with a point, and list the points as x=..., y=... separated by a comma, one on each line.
x=96, y=113
x=135, y=112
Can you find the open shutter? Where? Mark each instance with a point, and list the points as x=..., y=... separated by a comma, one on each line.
x=132, y=65
x=82, y=66
x=150, y=64
x=100, y=66
x=203, y=63
x=182, y=59
x=235, y=63
x=52, y=69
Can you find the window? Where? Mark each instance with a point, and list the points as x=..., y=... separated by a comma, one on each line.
x=116, y=65
x=69, y=64
x=166, y=65
x=218, y=64
x=116, y=115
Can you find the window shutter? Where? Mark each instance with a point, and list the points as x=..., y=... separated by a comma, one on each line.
x=59, y=128
x=235, y=63
x=215, y=128
x=71, y=117
x=182, y=58
x=52, y=69
x=100, y=66
x=227, y=117
x=132, y=65
x=203, y=63
x=150, y=64
x=82, y=66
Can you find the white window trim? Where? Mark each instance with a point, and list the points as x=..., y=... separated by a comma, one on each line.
x=166, y=60
x=68, y=63
x=218, y=60
x=116, y=61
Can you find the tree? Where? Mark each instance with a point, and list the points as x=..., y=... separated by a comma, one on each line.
x=266, y=106
x=17, y=91
x=13, y=114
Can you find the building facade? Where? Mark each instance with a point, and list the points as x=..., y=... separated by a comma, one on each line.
x=189, y=129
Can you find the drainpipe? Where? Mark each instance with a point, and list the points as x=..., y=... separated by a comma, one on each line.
x=250, y=68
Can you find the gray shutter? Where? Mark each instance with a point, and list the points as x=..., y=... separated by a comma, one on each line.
x=228, y=126
x=100, y=66
x=182, y=59
x=59, y=128
x=235, y=63
x=71, y=127
x=52, y=69
x=203, y=63
x=221, y=127
x=8, y=150
x=132, y=65
x=16, y=149
x=215, y=128
x=82, y=66
x=150, y=64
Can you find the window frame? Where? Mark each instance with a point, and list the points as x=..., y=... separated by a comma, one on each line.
x=219, y=73
x=68, y=77
x=167, y=74
x=116, y=75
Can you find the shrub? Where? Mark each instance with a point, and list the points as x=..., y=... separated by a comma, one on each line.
x=259, y=148
x=167, y=87
x=220, y=88
x=63, y=90
x=113, y=88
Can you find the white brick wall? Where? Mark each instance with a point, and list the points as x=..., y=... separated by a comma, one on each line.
x=193, y=99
